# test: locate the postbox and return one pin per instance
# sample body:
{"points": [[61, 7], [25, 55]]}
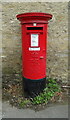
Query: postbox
{"points": [[34, 47]]}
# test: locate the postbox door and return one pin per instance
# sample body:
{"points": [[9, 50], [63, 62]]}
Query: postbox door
{"points": [[34, 53]]}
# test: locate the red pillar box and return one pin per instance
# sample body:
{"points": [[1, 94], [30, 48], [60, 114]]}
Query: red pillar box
{"points": [[34, 33]]}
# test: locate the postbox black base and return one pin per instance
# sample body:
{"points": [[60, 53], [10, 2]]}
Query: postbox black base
{"points": [[34, 87]]}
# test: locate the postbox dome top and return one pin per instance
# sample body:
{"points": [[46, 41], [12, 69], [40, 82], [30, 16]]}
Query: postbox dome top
{"points": [[34, 16]]}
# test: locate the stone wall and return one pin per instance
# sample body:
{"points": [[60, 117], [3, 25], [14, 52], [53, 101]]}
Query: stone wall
{"points": [[57, 54]]}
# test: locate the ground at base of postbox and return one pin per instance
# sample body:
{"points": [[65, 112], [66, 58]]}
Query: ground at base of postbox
{"points": [[13, 92]]}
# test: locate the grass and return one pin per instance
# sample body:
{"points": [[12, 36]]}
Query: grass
{"points": [[51, 89], [23, 103]]}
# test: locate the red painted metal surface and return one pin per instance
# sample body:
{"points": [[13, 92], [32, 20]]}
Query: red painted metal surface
{"points": [[34, 44]]}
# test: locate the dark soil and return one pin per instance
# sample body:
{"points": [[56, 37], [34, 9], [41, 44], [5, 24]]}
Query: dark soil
{"points": [[14, 93]]}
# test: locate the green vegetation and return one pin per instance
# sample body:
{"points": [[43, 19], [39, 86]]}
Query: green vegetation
{"points": [[51, 88], [24, 102]]}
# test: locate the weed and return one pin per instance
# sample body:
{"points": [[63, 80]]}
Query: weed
{"points": [[51, 88], [24, 102]]}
